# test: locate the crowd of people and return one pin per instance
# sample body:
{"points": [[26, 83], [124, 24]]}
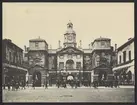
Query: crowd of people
{"points": [[15, 84]]}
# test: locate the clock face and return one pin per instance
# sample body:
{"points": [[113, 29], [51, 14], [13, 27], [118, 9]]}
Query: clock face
{"points": [[69, 37]]}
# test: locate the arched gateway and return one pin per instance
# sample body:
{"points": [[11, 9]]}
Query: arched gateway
{"points": [[37, 74], [70, 77], [37, 78], [70, 64]]}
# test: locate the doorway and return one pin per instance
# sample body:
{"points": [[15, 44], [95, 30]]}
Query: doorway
{"points": [[37, 78], [70, 64]]}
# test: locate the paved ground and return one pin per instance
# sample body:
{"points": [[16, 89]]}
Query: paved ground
{"points": [[122, 94]]}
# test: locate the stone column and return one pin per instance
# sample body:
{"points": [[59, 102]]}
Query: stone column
{"points": [[29, 79], [43, 79], [92, 76]]}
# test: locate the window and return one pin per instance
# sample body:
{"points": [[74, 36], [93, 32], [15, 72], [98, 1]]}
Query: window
{"points": [[25, 55], [78, 56], [61, 56], [102, 43], [97, 58], [69, 56], [78, 65], [97, 64], [36, 44], [10, 56], [61, 65], [124, 56], [129, 55], [119, 59]]}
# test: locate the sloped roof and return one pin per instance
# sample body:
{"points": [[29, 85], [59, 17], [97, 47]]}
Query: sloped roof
{"points": [[65, 49], [125, 44], [101, 38], [38, 40], [70, 31], [101, 66]]}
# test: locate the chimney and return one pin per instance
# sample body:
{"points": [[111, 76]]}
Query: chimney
{"points": [[25, 48], [89, 46], [80, 42], [9, 40], [111, 48], [115, 47], [59, 43], [50, 47], [129, 39]]}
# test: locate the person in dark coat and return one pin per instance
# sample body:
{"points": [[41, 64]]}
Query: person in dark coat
{"points": [[95, 84], [13, 84], [16, 85], [33, 84], [58, 83], [27, 83], [8, 85], [46, 84], [76, 84], [72, 83], [23, 84]]}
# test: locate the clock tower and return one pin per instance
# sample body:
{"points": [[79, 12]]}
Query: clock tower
{"points": [[70, 36]]}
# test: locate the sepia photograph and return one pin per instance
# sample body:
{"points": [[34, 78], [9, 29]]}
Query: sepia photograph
{"points": [[68, 52]]}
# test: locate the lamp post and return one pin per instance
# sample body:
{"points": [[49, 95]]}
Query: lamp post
{"points": [[47, 75], [79, 77], [4, 76]]}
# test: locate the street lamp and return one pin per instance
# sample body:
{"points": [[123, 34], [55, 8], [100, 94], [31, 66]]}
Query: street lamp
{"points": [[5, 74], [80, 75]]}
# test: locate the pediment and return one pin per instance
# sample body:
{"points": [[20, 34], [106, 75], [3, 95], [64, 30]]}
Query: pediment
{"points": [[70, 50], [103, 66]]}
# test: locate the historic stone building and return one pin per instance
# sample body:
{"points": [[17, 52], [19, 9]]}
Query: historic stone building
{"points": [[102, 59], [70, 61], [38, 60], [124, 70], [12, 62]]}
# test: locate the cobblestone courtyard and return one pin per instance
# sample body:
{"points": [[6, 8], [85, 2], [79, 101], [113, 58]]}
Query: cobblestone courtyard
{"points": [[84, 94]]}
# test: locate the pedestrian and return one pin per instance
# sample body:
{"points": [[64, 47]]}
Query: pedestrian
{"points": [[57, 83], [95, 84], [64, 84], [23, 84], [33, 84], [16, 85], [13, 84], [72, 83], [27, 83], [76, 83], [8, 86], [46, 84], [4, 85]]}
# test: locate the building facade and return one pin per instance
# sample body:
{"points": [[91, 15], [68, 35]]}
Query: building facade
{"points": [[102, 59], [70, 61], [124, 70], [12, 60], [38, 60]]}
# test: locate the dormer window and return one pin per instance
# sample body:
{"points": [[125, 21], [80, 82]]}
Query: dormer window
{"points": [[61, 56], [102, 43], [69, 56], [36, 44], [78, 56]]}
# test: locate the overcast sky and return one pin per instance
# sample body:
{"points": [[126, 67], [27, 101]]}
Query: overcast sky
{"points": [[25, 21]]}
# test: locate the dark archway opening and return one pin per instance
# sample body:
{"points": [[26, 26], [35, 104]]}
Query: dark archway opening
{"points": [[37, 78], [102, 77], [70, 64]]}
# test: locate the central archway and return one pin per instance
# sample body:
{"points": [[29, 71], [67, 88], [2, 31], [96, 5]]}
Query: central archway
{"points": [[70, 64], [70, 77], [37, 78]]}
